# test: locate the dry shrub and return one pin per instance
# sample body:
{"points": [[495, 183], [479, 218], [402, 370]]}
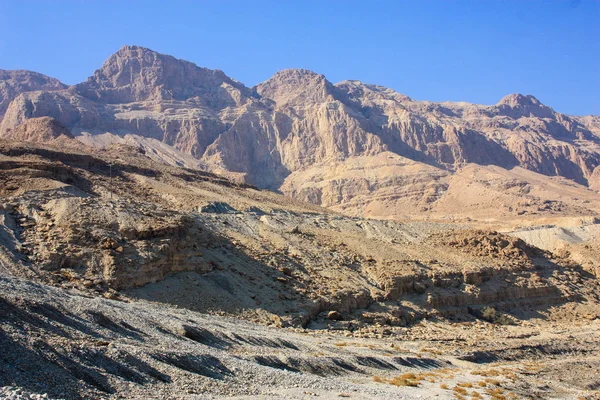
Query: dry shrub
{"points": [[407, 379], [496, 393], [460, 390], [399, 381]]}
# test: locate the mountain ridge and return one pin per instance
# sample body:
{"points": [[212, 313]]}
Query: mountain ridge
{"points": [[298, 121], [14, 82]]}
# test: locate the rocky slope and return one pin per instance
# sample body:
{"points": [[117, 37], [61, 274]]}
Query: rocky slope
{"points": [[117, 220], [117, 274], [41, 130], [311, 139], [85, 347]]}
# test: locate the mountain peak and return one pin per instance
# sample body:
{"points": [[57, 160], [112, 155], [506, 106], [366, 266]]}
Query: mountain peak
{"points": [[295, 87], [518, 99], [297, 72], [136, 73], [518, 105], [133, 47], [15, 82]]}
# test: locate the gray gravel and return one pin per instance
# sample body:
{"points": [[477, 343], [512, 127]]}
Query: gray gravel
{"points": [[70, 346]]}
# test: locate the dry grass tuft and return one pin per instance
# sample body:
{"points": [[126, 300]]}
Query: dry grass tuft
{"points": [[398, 381], [496, 393], [460, 390], [408, 379]]}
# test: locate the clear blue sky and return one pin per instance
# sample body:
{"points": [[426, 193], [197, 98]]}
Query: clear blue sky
{"points": [[476, 51]]}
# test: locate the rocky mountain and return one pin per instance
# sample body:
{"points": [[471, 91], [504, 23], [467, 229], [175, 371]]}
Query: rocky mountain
{"points": [[306, 137], [13, 83], [128, 269]]}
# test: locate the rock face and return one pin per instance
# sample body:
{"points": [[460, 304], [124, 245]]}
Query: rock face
{"points": [[13, 83], [311, 139]]}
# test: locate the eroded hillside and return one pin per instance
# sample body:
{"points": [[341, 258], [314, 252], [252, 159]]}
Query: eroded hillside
{"points": [[147, 261]]}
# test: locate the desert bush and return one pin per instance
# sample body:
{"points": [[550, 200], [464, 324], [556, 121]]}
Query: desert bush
{"points": [[460, 390], [490, 314]]}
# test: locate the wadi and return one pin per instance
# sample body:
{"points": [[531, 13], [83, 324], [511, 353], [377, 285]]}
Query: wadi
{"points": [[168, 232]]}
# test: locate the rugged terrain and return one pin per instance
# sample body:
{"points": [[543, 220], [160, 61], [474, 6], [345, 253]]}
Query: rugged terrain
{"points": [[126, 277], [422, 249], [362, 149]]}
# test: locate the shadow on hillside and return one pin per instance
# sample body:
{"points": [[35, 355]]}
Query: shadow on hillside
{"points": [[240, 282], [28, 365]]}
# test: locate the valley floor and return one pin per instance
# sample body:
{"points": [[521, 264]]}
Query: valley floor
{"points": [[68, 345]]}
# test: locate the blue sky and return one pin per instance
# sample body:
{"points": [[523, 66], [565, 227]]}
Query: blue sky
{"points": [[476, 51]]}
